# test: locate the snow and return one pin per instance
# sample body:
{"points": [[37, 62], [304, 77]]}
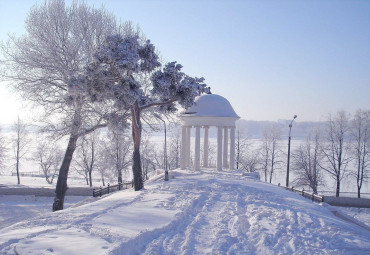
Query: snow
{"points": [[361, 214], [205, 212], [37, 182], [211, 105], [19, 208]]}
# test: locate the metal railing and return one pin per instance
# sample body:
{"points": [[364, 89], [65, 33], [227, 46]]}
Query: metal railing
{"points": [[314, 197], [344, 194], [111, 188], [27, 174]]}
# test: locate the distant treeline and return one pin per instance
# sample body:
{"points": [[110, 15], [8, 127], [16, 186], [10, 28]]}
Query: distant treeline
{"points": [[254, 128]]}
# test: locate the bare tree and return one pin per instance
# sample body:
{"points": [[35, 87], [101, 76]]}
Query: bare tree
{"points": [[306, 162], [275, 136], [270, 150], [117, 150], [148, 155], [174, 147], [85, 162], [2, 150], [265, 152], [21, 142], [212, 151], [247, 158], [43, 63], [251, 161], [48, 155], [103, 165], [242, 145], [360, 133], [336, 148]]}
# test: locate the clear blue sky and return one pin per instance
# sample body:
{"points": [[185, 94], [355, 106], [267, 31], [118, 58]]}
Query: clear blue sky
{"points": [[270, 59]]}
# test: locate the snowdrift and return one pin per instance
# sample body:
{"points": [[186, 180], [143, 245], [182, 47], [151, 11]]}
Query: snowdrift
{"points": [[204, 212]]}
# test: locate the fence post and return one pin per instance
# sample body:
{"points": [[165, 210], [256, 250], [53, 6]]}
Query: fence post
{"points": [[100, 190], [303, 192], [108, 187], [292, 189]]}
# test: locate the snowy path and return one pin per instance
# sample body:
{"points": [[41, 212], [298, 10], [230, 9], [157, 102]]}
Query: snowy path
{"points": [[195, 213]]}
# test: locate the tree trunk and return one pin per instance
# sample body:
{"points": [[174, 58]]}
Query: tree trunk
{"points": [[136, 168], [315, 184], [136, 135], [17, 159], [338, 188], [359, 192], [48, 180], [102, 179], [17, 167], [272, 164], [61, 187], [90, 178], [120, 176]]}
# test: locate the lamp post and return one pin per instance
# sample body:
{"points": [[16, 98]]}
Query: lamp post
{"points": [[287, 168], [165, 147]]}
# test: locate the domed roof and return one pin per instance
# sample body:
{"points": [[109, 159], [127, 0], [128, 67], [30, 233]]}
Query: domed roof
{"points": [[211, 105]]}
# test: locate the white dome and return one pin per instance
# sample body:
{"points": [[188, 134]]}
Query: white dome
{"points": [[211, 105]]}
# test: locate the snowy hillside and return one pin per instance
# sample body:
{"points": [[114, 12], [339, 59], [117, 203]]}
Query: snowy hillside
{"points": [[195, 213]]}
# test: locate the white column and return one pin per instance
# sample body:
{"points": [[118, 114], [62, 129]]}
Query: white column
{"points": [[219, 148], [232, 148], [183, 148], [205, 149], [188, 133], [197, 149], [226, 143]]}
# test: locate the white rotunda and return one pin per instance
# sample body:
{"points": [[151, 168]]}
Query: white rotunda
{"points": [[209, 110]]}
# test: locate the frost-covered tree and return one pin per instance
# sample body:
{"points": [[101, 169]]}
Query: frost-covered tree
{"points": [[270, 150], [336, 148], [115, 74], [251, 160], [48, 156], [360, 133], [306, 162], [242, 146], [174, 146], [147, 156], [85, 162], [20, 143], [116, 150], [212, 154], [2, 150], [41, 64]]}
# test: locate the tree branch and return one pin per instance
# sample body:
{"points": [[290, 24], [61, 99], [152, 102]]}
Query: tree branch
{"points": [[157, 104]]}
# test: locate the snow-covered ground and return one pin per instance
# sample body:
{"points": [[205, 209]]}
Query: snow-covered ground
{"points": [[203, 212], [361, 214], [39, 182], [14, 209]]}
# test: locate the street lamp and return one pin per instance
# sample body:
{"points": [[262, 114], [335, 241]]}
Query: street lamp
{"points": [[287, 168], [165, 146]]}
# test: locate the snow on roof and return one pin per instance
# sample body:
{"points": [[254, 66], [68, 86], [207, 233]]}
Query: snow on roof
{"points": [[211, 105]]}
